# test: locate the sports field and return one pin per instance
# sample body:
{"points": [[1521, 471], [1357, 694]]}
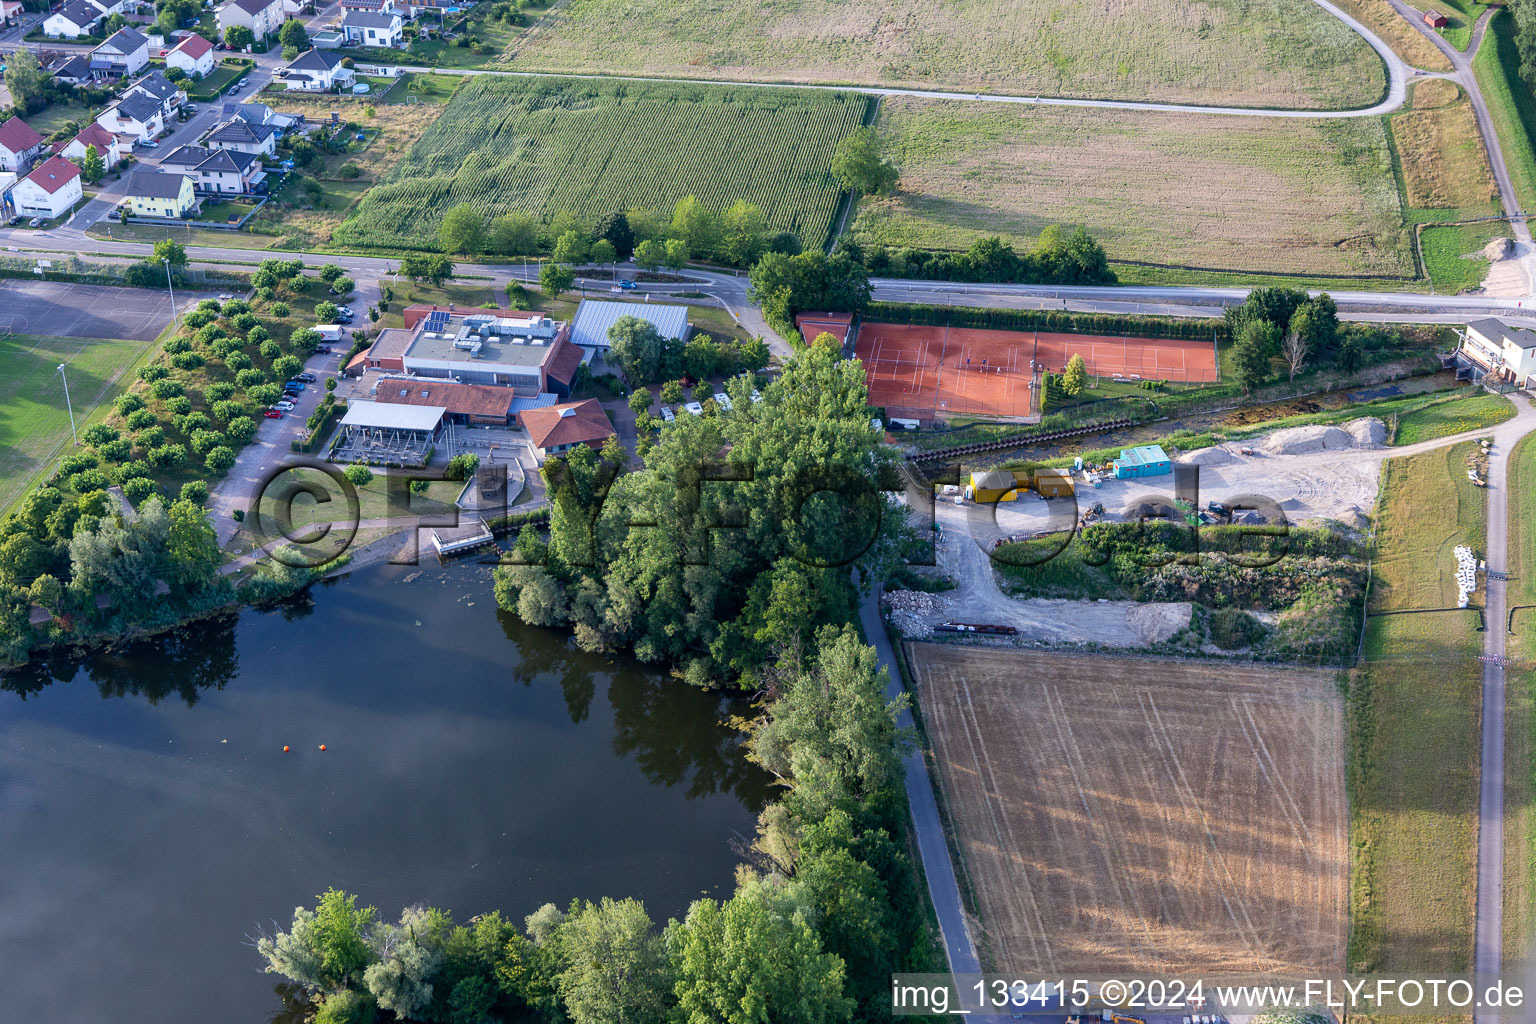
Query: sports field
{"points": [[1278, 53], [34, 422], [1170, 189], [1142, 815], [931, 372], [591, 147]]}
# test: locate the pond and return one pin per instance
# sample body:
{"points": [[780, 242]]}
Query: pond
{"points": [[150, 821]]}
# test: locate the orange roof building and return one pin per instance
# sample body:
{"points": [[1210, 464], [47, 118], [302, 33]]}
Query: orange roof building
{"points": [[557, 428]]}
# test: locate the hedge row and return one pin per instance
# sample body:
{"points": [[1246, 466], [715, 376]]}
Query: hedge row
{"points": [[1057, 320], [327, 414]]}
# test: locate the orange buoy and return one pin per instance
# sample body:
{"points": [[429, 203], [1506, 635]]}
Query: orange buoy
{"points": [[322, 746], [285, 748]]}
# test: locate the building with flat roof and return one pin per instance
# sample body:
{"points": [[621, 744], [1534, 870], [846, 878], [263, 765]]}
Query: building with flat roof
{"points": [[379, 432], [527, 352], [589, 329], [1144, 460]]}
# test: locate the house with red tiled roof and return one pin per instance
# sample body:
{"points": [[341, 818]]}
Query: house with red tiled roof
{"points": [[194, 55], [108, 146], [558, 428], [50, 190], [19, 145]]}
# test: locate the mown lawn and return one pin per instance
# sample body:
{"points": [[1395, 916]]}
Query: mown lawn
{"points": [[34, 421], [1520, 711], [1510, 104], [1451, 256], [1454, 417], [1413, 707], [377, 499]]}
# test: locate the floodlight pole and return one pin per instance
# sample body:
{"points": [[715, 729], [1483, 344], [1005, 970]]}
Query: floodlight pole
{"points": [[171, 288], [69, 406]]}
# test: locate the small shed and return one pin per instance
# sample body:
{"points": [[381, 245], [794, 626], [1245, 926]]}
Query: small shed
{"points": [[1434, 19], [993, 486], [1144, 460], [1054, 483]]}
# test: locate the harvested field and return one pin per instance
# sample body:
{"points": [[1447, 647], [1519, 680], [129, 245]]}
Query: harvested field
{"points": [[1140, 814], [1193, 190], [1442, 155], [932, 372], [1278, 53]]}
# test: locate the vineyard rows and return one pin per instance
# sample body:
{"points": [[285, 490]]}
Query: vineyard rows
{"points": [[545, 145]]}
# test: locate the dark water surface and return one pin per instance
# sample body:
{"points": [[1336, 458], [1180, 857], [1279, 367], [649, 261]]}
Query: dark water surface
{"points": [[150, 822]]}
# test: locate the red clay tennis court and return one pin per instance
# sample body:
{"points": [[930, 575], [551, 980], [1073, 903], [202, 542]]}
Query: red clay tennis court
{"points": [[929, 372]]}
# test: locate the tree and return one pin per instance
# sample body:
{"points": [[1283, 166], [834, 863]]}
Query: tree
{"points": [[1075, 379], [602, 251], [343, 286], [346, 1007], [650, 255], [219, 459], [616, 967], [784, 285], [615, 229], [358, 474], [433, 269], [329, 272], [743, 233], [238, 37], [462, 230], [92, 167], [1276, 304], [326, 312], [696, 225], [570, 247], [1317, 321], [26, 80], [672, 392], [637, 347], [640, 401], [614, 452], [168, 249], [1351, 354], [746, 961], [515, 234], [1251, 352], [555, 279], [326, 949], [1295, 348], [409, 955], [859, 165], [292, 34], [676, 254], [192, 544]]}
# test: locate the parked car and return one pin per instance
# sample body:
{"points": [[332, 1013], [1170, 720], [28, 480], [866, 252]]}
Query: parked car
{"points": [[305, 378], [147, 144], [242, 84], [190, 108], [285, 406], [627, 284], [273, 414], [344, 318], [14, 221], [221, 46], [294, 385], [347, 310], [35, 222], [326, 349]]}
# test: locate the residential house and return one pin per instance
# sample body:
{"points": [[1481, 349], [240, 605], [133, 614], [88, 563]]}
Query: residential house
{"points": [[263, 17], [137, 115], [243, 137], [1505, 352], [163, 91], [316, 71], [225, 171], [19, 145], [260, 113], [50, 190], [373, 28], [73, 20], [558, 428], [194, 55], [374, 6], [72, 70], [108, 146], [159, 194], [416, 8], [10, 10], [125, 52]]}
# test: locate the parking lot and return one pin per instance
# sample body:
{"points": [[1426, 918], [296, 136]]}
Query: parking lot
{"points": [[65, 310]]}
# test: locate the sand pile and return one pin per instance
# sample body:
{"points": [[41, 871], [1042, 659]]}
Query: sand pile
{"points": [[1367, 432], [1217, 455]]}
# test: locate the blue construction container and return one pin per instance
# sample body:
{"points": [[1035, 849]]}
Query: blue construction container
{"points": [[1146, 460]]}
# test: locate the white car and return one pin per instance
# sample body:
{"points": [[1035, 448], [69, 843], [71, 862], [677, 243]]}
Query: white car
{"points": [[284, 406]]}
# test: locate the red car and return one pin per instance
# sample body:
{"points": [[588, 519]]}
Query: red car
{"points": [[273, 414]]}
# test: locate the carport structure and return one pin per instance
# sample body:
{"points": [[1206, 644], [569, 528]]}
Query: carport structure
{"points": [[379, 432]]}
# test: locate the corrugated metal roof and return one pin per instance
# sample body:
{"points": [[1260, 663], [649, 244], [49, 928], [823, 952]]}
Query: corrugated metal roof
{"points": [[542, 400], [594, 317], [396, 417]]}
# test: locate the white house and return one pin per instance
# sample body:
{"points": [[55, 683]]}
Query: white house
{"points": [[125, 52], [19, 145], [74, 69], [194, 55], [73, 20], [137, 115], [225, 171], [1509, 353], [376, 6], [260, 113], [244, 137], [50, 190], [316, 71], [373, 28], [263, 17], [157, 87], [108, 146]]}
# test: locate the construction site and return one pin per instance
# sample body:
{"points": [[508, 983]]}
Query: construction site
{"points": [[1141, 815]]}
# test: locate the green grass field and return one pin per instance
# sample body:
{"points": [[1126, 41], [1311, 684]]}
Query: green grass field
{"points": [[1451, 253], [1413, 707], [1231, 194], [1520, 712], [1510, 104], [34, 422], [1279, 53], [1454, 417], [592, 147]]}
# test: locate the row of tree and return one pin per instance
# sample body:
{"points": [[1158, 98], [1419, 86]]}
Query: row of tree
{"points": [[1285, 325], [1059, 256], [646, 357]]}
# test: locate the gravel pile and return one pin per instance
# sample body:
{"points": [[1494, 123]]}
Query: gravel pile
{"points": [[1366, 432], [1216, 455], [910, 609]]}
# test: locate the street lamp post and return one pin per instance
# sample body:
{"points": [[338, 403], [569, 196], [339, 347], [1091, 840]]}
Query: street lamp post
{"points": [[69, 406], [171, 288]]}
